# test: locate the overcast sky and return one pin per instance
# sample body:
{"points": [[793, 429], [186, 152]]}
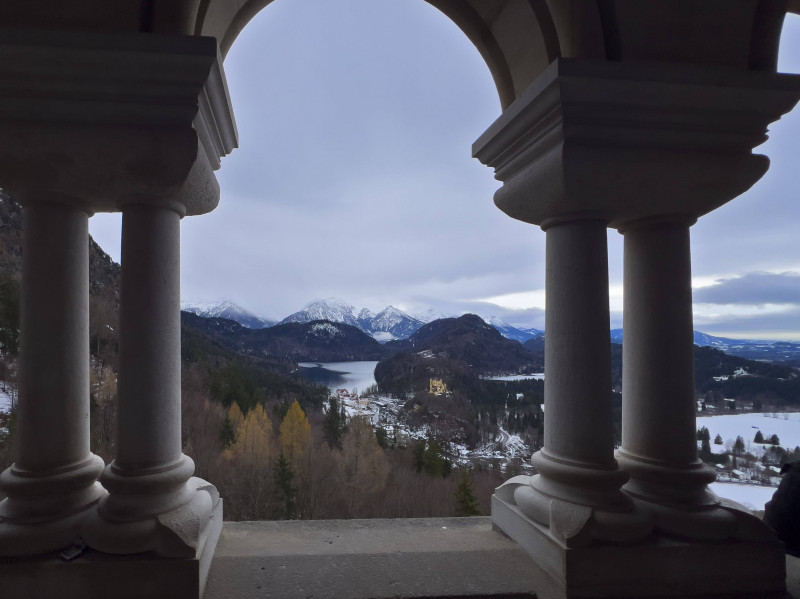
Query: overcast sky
{"points": [[353, 179]]}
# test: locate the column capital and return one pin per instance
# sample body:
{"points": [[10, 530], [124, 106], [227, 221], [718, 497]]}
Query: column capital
{"points": [[102, 120], [632, 141], [660, 221]]}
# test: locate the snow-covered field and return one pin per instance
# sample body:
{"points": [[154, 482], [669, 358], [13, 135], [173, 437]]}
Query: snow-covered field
{"points": [[786, 426], [753, 497]]}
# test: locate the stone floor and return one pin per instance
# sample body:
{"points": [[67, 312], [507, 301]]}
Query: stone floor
{"points": [[793, 576], [354, 559]]}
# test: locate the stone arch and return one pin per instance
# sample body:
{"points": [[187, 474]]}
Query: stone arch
{"points": [[517, 39], [786, 33]]}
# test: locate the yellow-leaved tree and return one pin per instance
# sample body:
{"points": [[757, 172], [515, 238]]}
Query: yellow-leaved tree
{"points": [[295, 437], [254, 437], [363, 464], [247, 467], [235, 416]]}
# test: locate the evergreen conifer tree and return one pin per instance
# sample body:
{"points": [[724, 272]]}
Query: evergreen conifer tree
{"points": [[333, 425], [285, 491], [705, 450], [466, 502], [227, 433]]}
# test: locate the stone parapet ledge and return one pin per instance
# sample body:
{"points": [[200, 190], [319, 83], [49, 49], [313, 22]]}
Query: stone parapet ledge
{"points": [[349, 559], [103, 120], [630, 141]]}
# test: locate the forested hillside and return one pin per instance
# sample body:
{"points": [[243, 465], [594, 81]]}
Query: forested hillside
{"points": [[471, 342], [319, 340]]}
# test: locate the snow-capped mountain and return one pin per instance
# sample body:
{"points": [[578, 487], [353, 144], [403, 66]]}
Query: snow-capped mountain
{"points": [[229, 310], [396, 323], [390, 323], [511, 332], [331, 309]]}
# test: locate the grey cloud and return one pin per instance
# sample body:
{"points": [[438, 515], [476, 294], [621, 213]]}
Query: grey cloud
{"points": [[525, 318], [785, 324], [754, 289]]}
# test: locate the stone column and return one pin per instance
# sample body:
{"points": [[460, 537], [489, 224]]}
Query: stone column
{"points": [[52, 482], [611, 139], [154, 503], [659, 446], [576, 492]]}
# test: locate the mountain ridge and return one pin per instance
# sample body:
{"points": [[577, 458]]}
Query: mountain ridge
{"points": [[392, 324], [315, 341]]}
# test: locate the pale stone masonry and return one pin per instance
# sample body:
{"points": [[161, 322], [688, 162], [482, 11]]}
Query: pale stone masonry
{"points": [[639, 115]]}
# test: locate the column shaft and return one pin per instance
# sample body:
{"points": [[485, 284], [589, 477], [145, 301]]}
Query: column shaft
{"points": [[54, 475], [578, 424], [658, 350], [154, 503], [149, 384], [659, 446]]}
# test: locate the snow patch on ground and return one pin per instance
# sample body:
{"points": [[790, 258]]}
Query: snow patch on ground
{"points": [[326, 329], [516, 446], [753, 497], [5, 400]]}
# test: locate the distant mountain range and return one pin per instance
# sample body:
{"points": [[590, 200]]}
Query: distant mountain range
{"points": [[752, 349], [387, 325], [392, 324]]}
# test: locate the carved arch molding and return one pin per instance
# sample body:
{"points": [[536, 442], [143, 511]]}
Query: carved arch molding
{"points": [[517, 38]]}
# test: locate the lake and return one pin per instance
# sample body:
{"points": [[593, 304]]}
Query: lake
{"points": [[340, 375]]}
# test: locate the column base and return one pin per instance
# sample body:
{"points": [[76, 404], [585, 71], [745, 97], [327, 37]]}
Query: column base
{"points": [[44, 512], [655, 567], [577, 516], [95, 575], [176, 532], [681, 503]]}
